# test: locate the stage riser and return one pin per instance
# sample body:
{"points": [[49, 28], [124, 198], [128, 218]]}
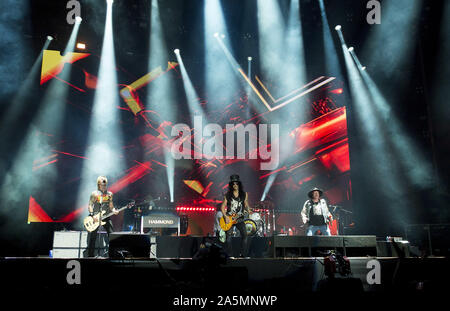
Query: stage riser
{"points": [[273, 247], [146, 246], [389, 249], [431, 239]]}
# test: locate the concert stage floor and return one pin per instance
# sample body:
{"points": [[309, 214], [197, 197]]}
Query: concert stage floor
{"points": [[289, 279]]}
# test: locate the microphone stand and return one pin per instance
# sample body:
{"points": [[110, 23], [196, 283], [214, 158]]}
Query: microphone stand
{"points": [[339, 209]]}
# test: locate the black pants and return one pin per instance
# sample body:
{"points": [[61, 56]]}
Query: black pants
{"points": [[244, 239], [92, 237]]}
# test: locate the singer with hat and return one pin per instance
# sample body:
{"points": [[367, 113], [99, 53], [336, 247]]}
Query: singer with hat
{"points": [[315, 213]]}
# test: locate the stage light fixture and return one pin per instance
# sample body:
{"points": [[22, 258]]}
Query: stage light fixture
{"points": [[81, 46], [109, 2], [338, 27], [250, 58], [176, 51], [78, 19], [363, 68], [50, 38], [350, 49]]}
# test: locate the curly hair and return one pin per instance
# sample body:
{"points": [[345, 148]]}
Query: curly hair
{"points": [[230, 190]]}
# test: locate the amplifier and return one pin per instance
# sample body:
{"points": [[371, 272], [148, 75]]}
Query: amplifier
{"points": [[129, 244], [73, 244], [306, 246]]}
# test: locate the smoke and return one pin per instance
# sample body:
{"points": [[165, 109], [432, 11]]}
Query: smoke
{"points": [[271, 43], [391, 43], [20, 182], [104, 149], [218, 72], [14, 59], [332, 65], [408, 155], [440, 109], [96, 11]]}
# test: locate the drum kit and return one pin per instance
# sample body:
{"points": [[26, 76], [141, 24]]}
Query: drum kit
{"points": [[260, 221]]}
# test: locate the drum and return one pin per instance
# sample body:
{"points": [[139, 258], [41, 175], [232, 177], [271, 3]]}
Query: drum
{"points": [[255, 217], [251, 227]]}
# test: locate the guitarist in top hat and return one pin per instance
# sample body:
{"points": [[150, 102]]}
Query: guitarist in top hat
{"points": [[100, 200], [233, 206]]}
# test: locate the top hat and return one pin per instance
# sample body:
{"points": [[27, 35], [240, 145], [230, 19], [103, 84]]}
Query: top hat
{"points": [[234, 178], [314, 189]]}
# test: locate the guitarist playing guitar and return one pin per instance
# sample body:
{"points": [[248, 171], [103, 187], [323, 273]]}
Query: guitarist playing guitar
{"points": [[233, 206], [100, 200]]}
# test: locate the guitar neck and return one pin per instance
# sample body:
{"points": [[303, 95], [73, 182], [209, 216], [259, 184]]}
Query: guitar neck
{"points": [[111, 213]]}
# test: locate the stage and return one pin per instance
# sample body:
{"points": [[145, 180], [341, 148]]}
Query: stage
{"points": [[167, 270], [162, 280], [275, 263]]}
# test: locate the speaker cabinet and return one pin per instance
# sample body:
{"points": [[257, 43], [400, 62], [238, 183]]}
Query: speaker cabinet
{"points": [[127, 244]]}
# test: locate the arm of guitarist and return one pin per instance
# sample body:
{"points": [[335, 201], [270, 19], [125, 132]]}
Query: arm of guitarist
{"points": [[246, 206], [223, 209], [111, 206], [91, 207]]}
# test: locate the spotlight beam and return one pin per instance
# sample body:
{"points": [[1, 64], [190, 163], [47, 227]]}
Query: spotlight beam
{"points": [[160, 94], [217, 71], [414, 164], [191, 94], [399, 20], [48, 119], [19, 102], [103, 151], [375, 144]]}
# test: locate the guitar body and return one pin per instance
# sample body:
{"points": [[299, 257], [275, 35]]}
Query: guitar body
{"points": [[227, 226], [89, 223]]}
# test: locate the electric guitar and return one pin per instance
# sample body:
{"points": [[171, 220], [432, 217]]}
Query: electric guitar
{"points": [[231, 221], [91, 225]]}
